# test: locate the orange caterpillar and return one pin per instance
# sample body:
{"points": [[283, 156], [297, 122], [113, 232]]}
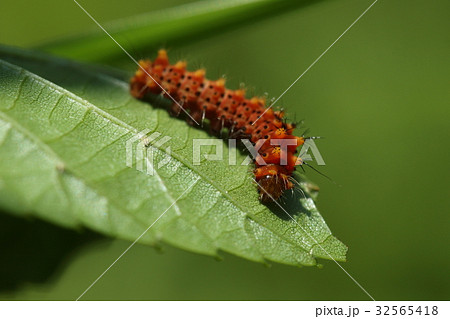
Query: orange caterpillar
{"points": [[224, 108]]}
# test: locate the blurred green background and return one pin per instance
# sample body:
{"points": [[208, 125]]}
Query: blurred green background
{"points": [[380, 96]]}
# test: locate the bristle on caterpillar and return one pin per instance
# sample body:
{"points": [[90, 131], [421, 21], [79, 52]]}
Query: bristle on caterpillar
{"points": [[244, 118]]}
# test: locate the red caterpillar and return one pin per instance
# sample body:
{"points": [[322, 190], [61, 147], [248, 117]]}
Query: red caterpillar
{"points": [[224, 108]]}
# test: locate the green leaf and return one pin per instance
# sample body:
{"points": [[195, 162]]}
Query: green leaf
{"points": [[63, 134], [154, 29]]}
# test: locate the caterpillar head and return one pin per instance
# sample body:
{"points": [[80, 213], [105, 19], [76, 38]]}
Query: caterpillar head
{"points": [[272, 182], [270, 188]]}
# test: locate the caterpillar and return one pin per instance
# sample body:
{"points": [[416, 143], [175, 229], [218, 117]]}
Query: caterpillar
{"points": [[268, 131]]}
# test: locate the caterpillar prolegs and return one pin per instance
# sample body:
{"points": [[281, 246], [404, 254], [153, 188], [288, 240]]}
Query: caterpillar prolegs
{"points": [[271, 135]]}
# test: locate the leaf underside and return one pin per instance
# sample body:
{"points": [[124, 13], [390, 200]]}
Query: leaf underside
{"points": [[63, 133]]}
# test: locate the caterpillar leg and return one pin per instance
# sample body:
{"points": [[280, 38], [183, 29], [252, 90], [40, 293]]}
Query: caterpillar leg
{"points": [[175, 109]]}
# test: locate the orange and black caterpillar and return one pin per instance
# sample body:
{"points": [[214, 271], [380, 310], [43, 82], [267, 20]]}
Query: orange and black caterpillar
{"points": [[224, 108]]}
